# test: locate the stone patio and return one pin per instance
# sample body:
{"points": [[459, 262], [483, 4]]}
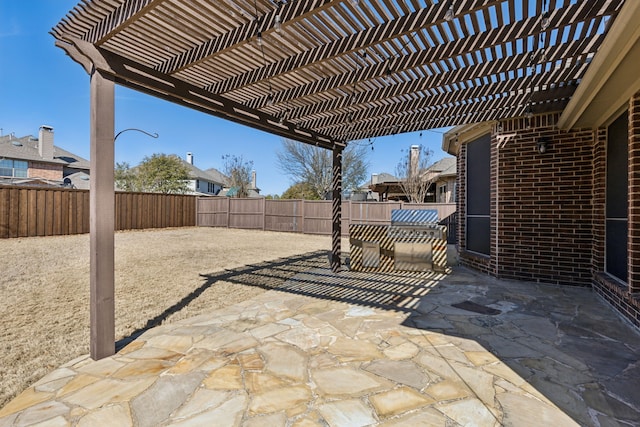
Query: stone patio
{"points": [[358, 349]]}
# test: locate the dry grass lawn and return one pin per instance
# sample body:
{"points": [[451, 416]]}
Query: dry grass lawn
{"points": [[161, 276]]}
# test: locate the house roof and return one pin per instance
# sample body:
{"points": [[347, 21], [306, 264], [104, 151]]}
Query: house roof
{"points": [[444, 167], [326, 72], [217, 176], [197, 173], [386, 177], [26, 148]]}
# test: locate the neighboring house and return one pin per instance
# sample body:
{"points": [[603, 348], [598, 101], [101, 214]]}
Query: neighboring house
{"points": [[253, 191], [205, 183], [37, 161], [441, 174], [554, 197]]}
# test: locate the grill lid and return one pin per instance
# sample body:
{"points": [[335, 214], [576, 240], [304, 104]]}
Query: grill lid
{"points": [[413, 217]]}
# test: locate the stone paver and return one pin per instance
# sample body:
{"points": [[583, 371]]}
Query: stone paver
{"points": [[302, 357]]}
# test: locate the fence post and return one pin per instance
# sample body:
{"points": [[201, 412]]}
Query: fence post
{"points": [[228, 211], [264, 213], [302, 214]]}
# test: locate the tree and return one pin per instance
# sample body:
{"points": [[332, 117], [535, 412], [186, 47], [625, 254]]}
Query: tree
{"points": [[301, 190], [160, 173], [411, 173], [313, 166], [125, 177], [239, 173]]}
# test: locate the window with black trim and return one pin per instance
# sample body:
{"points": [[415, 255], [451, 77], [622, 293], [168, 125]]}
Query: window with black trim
{"points": [[617, 198], [478, 176]]}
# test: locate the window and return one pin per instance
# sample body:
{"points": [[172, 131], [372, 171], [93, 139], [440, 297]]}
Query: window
{"points": [[13, 168], [442, 193], [617, 198], [479, 195]]}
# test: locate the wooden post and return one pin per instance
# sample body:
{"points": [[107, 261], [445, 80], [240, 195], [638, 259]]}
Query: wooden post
{"points": [[102, 218], [336, 217]]}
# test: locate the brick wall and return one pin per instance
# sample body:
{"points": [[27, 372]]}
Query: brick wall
{"points": [[543, 217], [45, 170], [634, 194], [599, 200], [545, 203]]}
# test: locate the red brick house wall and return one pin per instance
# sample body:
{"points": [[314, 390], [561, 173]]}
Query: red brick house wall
{"points": [[548, 210], [45, 170]]}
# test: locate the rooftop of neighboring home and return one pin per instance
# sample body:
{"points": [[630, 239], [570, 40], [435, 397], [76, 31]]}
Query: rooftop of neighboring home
{"points": [[39, 149], [211, 175]]}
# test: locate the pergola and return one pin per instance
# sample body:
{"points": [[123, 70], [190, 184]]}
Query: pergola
{"points": [[323, 72]]}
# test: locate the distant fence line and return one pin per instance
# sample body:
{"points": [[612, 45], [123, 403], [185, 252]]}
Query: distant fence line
{"points": [[37, 211], [300, 216]]}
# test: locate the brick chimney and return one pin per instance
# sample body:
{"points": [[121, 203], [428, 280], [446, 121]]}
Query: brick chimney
{"points": [[45, 142], [374, 178], [414, 159], [254, 182], [190, 158]]}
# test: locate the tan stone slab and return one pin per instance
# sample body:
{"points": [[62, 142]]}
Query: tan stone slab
{"points": [[27, 398], [520, 410], [469, 412], [58, 374], [503, 371], [227, 414], [226, 378], [142, 368], [284, 360], [345, 381], [132, 346], [107, 391], [251, 361], [426, 417], [348, 350], [227, 341], [202, 400], [403, 351], [78, 382], [302, 337], [257, 382], [101, 368], [448, 390], [272, 420], [278, 399], [41, 413], [176, 343], [53, 386], [192, 361], [58, 421], [322, 361], [108, 416], [268, 330], [398, 401], [436, 366], [480, 358], [309, 421], [155, 353], [347, 413], [481, 383]]}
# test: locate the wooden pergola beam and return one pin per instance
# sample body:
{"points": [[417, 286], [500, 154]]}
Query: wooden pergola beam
{"points": [[131, 74]]}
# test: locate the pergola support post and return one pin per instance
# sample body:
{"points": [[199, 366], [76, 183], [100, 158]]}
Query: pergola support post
{"points": [[102, 218], [336, 217]]}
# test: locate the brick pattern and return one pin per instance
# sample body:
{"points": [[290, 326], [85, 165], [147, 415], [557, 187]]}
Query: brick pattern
{"points": [[45, 170], [617, 294], [545, 203], [634, 194], [599, 200]]}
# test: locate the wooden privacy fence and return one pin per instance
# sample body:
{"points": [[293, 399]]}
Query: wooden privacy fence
{"points": [[36, 211], [300, 216]]}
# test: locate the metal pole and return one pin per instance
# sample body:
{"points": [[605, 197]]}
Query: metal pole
{"points": [[336, 217]]}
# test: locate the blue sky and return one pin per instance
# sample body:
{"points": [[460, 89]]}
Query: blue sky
{"points": [[40, 85]]}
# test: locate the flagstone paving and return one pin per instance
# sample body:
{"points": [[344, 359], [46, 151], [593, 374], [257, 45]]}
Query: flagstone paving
{"points": [[357, 349]]}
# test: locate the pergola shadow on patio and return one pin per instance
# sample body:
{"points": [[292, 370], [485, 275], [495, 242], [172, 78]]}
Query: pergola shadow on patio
{"points": [[362, 349]]}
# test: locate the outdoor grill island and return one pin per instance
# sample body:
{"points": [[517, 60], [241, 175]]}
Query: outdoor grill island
{"points": [[414, 241]]}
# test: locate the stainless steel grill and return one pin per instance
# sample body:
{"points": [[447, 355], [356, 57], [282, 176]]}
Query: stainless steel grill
{"points": [[413, 231]]}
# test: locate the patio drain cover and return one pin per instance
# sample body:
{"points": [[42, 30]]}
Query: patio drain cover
{"points": [[475, 307]]}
